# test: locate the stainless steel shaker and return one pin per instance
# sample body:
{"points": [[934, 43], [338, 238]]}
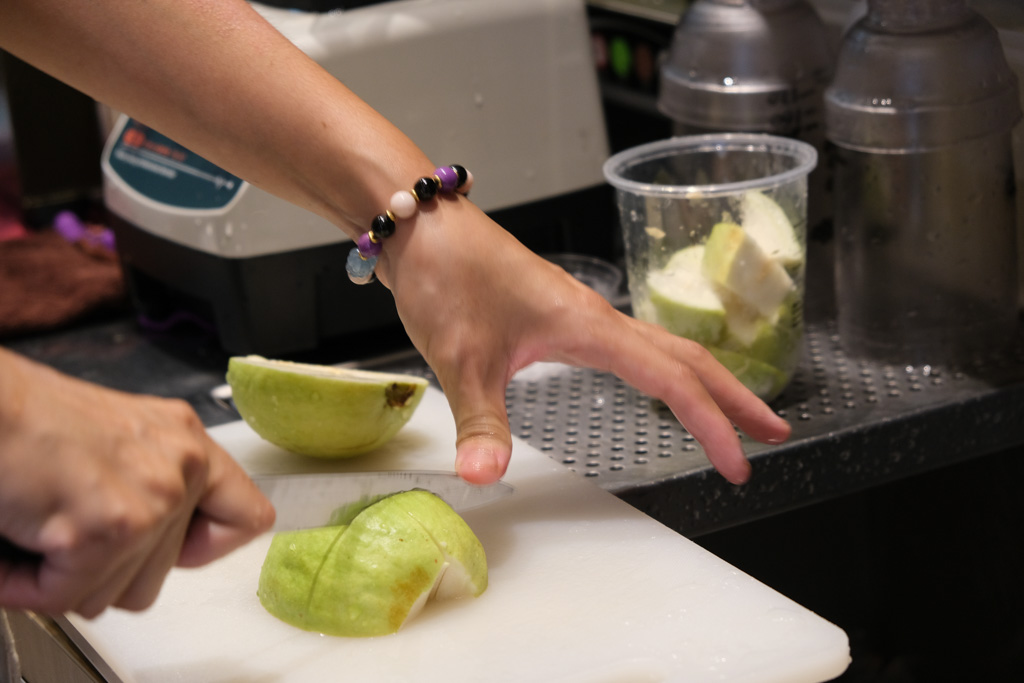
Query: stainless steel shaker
{"points": [[757, 66], [921, 110]]}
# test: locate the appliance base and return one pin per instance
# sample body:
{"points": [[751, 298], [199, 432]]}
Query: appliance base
{"points": [[294, 301]]}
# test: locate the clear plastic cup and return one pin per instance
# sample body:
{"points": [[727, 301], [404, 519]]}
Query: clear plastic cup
{"points": [[715, 232]]}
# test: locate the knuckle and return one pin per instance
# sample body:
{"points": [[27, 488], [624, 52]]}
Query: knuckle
{"points": [[124, 525], [449, 355], [126, 520], [480, 425], [168, 494], [183, 413], [185, 447]]}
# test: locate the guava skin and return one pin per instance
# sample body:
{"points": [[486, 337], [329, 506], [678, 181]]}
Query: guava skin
{"points": [[322, 411], [369, 578], [293, 562]]}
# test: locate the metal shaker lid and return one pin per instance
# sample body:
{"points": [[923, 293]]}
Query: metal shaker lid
{"points": [[916, 75], [741, 64]]}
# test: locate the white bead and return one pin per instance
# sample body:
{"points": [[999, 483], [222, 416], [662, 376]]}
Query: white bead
{"points": [[403, 204]]}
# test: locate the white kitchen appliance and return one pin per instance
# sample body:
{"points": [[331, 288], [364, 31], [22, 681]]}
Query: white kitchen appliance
{"points": [[508, 89]]}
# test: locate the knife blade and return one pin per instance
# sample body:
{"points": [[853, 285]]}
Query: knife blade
{"points": [[305, 501]]}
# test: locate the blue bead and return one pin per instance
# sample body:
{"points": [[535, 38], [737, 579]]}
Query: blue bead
{"points": [[359, 269]]}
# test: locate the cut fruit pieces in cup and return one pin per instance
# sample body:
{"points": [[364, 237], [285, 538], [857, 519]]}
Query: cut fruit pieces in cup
{"points": [[714, 228]]}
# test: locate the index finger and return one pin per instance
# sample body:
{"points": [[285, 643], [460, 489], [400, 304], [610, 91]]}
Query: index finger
{"points": [[677, 383], [699, 391], [230, 513]]}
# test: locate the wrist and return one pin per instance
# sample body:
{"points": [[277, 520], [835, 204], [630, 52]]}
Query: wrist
{"points": [[403, 208]]}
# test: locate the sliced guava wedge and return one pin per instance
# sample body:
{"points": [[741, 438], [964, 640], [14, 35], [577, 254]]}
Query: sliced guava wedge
{"points": [[371, 577], [766, 221], [688, 258], [319, 410], [773, 339], [685, 303], [733, 260]]}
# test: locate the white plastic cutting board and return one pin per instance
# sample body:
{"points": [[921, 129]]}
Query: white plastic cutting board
{"points": [[583, 589]]}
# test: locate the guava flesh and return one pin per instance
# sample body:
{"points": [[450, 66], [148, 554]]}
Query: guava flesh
{"points": [[767, 223], [734, 261], [687, 305]]}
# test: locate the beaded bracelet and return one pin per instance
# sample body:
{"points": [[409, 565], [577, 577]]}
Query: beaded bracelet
{"points": [[363, 257]]}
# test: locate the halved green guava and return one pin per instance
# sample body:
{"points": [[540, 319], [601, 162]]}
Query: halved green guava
{"points": [[372, 576], [319, 410]]}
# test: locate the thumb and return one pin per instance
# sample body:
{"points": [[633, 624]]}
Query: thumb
{"points": [[483, 439]]}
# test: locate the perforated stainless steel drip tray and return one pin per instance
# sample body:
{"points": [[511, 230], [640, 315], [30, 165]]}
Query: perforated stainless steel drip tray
{"points": [[603, 429]]}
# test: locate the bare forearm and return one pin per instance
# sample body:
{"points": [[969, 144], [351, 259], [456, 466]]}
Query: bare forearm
{"points": [[213, 75], [10, 396]]}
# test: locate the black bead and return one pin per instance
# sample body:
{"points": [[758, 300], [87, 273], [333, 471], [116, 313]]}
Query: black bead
{"points": [[462, 174], [425, 189], [383, 226]]}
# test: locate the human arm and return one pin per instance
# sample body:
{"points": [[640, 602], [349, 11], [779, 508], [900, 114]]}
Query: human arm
{"points": [[477, 304], [107, 491], [218, 79]]}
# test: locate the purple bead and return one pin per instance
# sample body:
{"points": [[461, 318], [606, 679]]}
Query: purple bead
{"points": [[367, 247], [449, 178]]}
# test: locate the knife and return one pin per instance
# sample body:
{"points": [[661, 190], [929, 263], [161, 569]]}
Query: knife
{"points": [[305, 501]]}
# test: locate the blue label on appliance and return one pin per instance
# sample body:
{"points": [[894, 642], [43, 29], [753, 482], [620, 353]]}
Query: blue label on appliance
{"points": [[161, 169]]}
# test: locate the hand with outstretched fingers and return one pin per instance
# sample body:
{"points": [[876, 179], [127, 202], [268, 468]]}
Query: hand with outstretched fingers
{"points": [[480, 306]]}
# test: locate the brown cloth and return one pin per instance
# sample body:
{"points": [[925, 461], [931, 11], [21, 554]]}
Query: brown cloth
{"points": [[47, 282]]}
